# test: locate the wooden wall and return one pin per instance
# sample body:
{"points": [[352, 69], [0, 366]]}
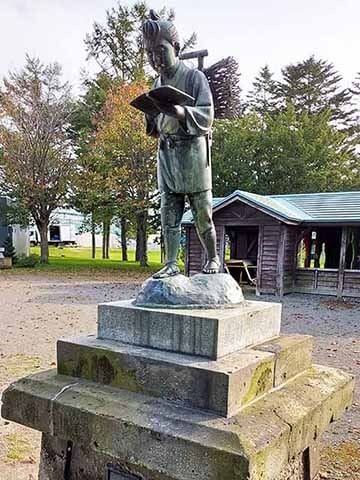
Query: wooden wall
{"points": [[290, 248], [240, 214], [277, 272], [267, 271], [351, 285], [195, 255], [316, 280]]}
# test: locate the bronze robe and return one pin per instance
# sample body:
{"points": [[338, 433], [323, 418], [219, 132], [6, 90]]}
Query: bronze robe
{"points": [[184, 148]]}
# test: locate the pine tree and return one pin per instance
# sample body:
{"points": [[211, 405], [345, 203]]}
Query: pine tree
{"points": [[355, 89], [314, 86], [262, 98]]}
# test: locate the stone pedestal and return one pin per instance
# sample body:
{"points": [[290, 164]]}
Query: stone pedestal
{"points": [[163, 394]]}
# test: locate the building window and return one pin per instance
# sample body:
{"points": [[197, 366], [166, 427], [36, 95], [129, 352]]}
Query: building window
{"points": [[319, 248], [352, 258]]}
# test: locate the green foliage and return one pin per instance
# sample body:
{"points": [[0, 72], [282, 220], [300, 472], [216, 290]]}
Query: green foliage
{"points": [[118, 46], [282, 153], [262, 99], [314, 86], [37, 161], [15, 213], [30, 261]]}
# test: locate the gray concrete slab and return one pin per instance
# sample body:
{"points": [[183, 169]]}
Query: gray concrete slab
{"points": [[211, 333], [222, 386], [182, 443], [293, 355]]}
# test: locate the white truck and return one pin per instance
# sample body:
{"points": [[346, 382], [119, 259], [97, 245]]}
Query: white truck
{"points": [[63, 229]]}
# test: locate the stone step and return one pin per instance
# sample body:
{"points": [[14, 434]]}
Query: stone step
{"points": [[293, 355], [223, 386], [168, 441], [211, 333]]}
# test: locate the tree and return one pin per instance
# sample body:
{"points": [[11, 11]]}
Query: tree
{"points": [[355, 89], [262, 99], [121, 138], [282, 153], [314, 86], [37, 162], [89, 183], [117, 46]]}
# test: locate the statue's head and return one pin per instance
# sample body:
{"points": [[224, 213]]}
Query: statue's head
{"points": [[162, 43]]}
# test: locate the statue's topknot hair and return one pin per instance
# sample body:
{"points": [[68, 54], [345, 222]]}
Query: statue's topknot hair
{"points": [[155, 28]]}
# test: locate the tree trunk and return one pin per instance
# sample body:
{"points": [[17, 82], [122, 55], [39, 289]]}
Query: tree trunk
{"points": [[141, 243], [104, 231], [107, 244], [124, 252], [44, 244], [93, 238], [106, 238], [137, 248]]}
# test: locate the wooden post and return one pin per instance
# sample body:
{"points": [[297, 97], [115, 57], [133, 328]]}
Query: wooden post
{"points": [[280, 264], [187, 251], [259, 259], [220, 240], [199, 54], [344, 239]]}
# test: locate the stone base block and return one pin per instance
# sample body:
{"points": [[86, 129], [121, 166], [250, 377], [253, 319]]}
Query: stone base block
{"points": [[293, 355], [223, 386], [86, 464], [163, 441], [211, 333]]}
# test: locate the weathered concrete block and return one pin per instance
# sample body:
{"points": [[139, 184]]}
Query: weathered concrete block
{"points": [[223, 386], [176, 443], [292, 355], [210, 333], [87, 464]]}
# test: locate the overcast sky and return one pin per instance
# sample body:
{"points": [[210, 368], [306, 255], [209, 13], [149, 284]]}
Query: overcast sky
{"points": [[255, 32]]}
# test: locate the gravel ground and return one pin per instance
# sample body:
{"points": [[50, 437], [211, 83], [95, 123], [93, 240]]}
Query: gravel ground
{"points": [[37, 309]]}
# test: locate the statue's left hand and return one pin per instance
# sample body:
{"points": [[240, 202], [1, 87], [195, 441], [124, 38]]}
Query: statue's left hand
{"points": [[176, 111]]}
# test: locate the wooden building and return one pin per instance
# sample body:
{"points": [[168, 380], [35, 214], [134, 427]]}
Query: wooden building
{"points": [[304, 243]]}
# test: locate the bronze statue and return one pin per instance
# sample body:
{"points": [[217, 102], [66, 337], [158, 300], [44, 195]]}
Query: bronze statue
{"points": [[184, 167]]}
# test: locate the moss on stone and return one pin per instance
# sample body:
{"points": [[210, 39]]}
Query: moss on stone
{"points": [[261, 381], [102, 368]]}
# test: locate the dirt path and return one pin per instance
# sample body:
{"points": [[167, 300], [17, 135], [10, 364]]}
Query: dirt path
{"points": [[37, 309]]}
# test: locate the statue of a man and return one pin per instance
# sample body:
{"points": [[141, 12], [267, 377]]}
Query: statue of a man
{"points": [[184, 168]]}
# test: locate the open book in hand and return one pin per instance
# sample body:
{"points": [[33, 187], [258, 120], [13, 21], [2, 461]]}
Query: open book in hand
{"points": [[165, 95]]}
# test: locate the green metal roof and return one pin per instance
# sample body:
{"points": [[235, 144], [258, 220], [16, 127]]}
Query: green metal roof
{"points": [[332, 207]]}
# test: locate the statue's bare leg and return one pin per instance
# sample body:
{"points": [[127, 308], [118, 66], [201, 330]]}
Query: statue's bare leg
{"points": [[201, 205], [172, 210], [212, 264]]}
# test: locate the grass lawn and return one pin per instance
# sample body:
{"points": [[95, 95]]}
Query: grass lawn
{"points": [[78, 259]]}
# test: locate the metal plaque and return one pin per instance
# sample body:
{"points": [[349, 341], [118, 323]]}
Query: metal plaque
{"points": [[117, 475]]}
